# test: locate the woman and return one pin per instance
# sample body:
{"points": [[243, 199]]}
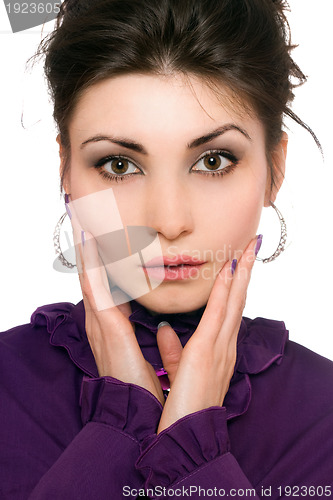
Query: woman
{"points": [[171, 143]]}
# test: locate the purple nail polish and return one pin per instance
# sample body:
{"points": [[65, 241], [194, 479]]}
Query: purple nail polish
{"points": [[258, 244], [233, 266], [67, 206], [83, 239]]}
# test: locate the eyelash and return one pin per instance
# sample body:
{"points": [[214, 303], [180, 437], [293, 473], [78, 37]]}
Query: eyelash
{"points": [[228, 169]]}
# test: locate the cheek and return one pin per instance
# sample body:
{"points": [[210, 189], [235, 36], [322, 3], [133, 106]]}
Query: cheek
{"points": [[83, 180], [246, 221], [235, 217], [78, 182]]}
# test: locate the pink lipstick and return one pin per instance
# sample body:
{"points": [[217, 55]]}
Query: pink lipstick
{"points": [[178, 267]]}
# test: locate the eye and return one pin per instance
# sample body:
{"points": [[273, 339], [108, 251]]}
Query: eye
{"points": [[116, 167], [215, 161]]}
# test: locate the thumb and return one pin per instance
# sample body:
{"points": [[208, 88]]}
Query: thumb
{"points": [[170, 349]]}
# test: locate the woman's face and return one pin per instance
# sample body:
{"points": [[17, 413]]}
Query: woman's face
{"points": [[185, 165]]}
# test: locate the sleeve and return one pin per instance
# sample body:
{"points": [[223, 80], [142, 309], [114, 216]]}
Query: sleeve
{"points": [[100, 461], [192, 458], [117, 454]]}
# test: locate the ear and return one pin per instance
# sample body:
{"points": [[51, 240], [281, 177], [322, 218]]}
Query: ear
{"points": [[62, 155], [279, 156]]}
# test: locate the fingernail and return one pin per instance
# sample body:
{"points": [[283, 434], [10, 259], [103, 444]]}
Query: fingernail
{"points": [[233, 266], [162, 323], [67, 206], [258, 244], [83, 239]]}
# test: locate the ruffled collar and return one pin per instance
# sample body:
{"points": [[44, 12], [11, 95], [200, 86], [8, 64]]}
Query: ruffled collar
{"points": [[260, 344], [182, 321], [184, 325]]}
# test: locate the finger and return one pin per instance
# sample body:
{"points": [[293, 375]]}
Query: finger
{"points": [[156, 382], [170, 349], [96, 294], [238, 291], [215, 311], [92, 274], [121, 299], [77, 235], [95, 283]]}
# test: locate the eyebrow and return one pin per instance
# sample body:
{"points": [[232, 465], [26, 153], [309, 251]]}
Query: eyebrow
{"points": [[216, 133], [134, 146]]}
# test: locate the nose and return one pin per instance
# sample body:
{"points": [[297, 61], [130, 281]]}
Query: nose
{"points": [[169, 209]]}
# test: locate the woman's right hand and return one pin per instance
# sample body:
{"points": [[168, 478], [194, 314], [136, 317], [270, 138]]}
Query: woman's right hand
{"points": [[110, 333]]}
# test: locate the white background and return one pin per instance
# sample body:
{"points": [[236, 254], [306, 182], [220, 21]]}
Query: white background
{"points": [[296, 288]]}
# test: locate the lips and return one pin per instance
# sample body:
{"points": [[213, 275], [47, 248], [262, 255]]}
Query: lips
{"points": [[176, 268], [176, 260]]}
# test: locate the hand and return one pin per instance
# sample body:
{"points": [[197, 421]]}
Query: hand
{"points": [[110, 333], [200, 373]]}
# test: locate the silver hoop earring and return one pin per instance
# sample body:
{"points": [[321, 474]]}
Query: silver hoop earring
{"points": [[283, 238], [56, 242]]}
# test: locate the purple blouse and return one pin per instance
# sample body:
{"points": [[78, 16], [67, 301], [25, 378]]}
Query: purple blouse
{"points": [[66, 433]]}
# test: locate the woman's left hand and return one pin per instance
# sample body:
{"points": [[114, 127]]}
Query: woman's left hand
{"points": [[200, 373]]}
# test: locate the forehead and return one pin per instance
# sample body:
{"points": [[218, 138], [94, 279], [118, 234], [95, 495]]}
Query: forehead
{"points": [[146, 106]]}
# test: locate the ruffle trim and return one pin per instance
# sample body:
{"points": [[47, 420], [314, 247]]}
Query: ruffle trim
{"points": [[65, 324], [184, 321], [120, 405], [261, 344], [185, 446]]}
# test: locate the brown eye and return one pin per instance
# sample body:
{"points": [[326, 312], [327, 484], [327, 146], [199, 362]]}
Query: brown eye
{"points": [[119, 165], [212, 161], [215, 162], [116, 168]]}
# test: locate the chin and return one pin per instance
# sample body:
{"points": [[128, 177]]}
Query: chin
{"points": [[164, 300]]}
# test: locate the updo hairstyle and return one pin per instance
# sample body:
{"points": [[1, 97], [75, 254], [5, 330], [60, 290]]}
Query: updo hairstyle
{"points": [[242, 44]]}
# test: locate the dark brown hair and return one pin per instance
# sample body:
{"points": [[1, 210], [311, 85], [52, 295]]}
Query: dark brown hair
{"points": [[243, 44]]}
